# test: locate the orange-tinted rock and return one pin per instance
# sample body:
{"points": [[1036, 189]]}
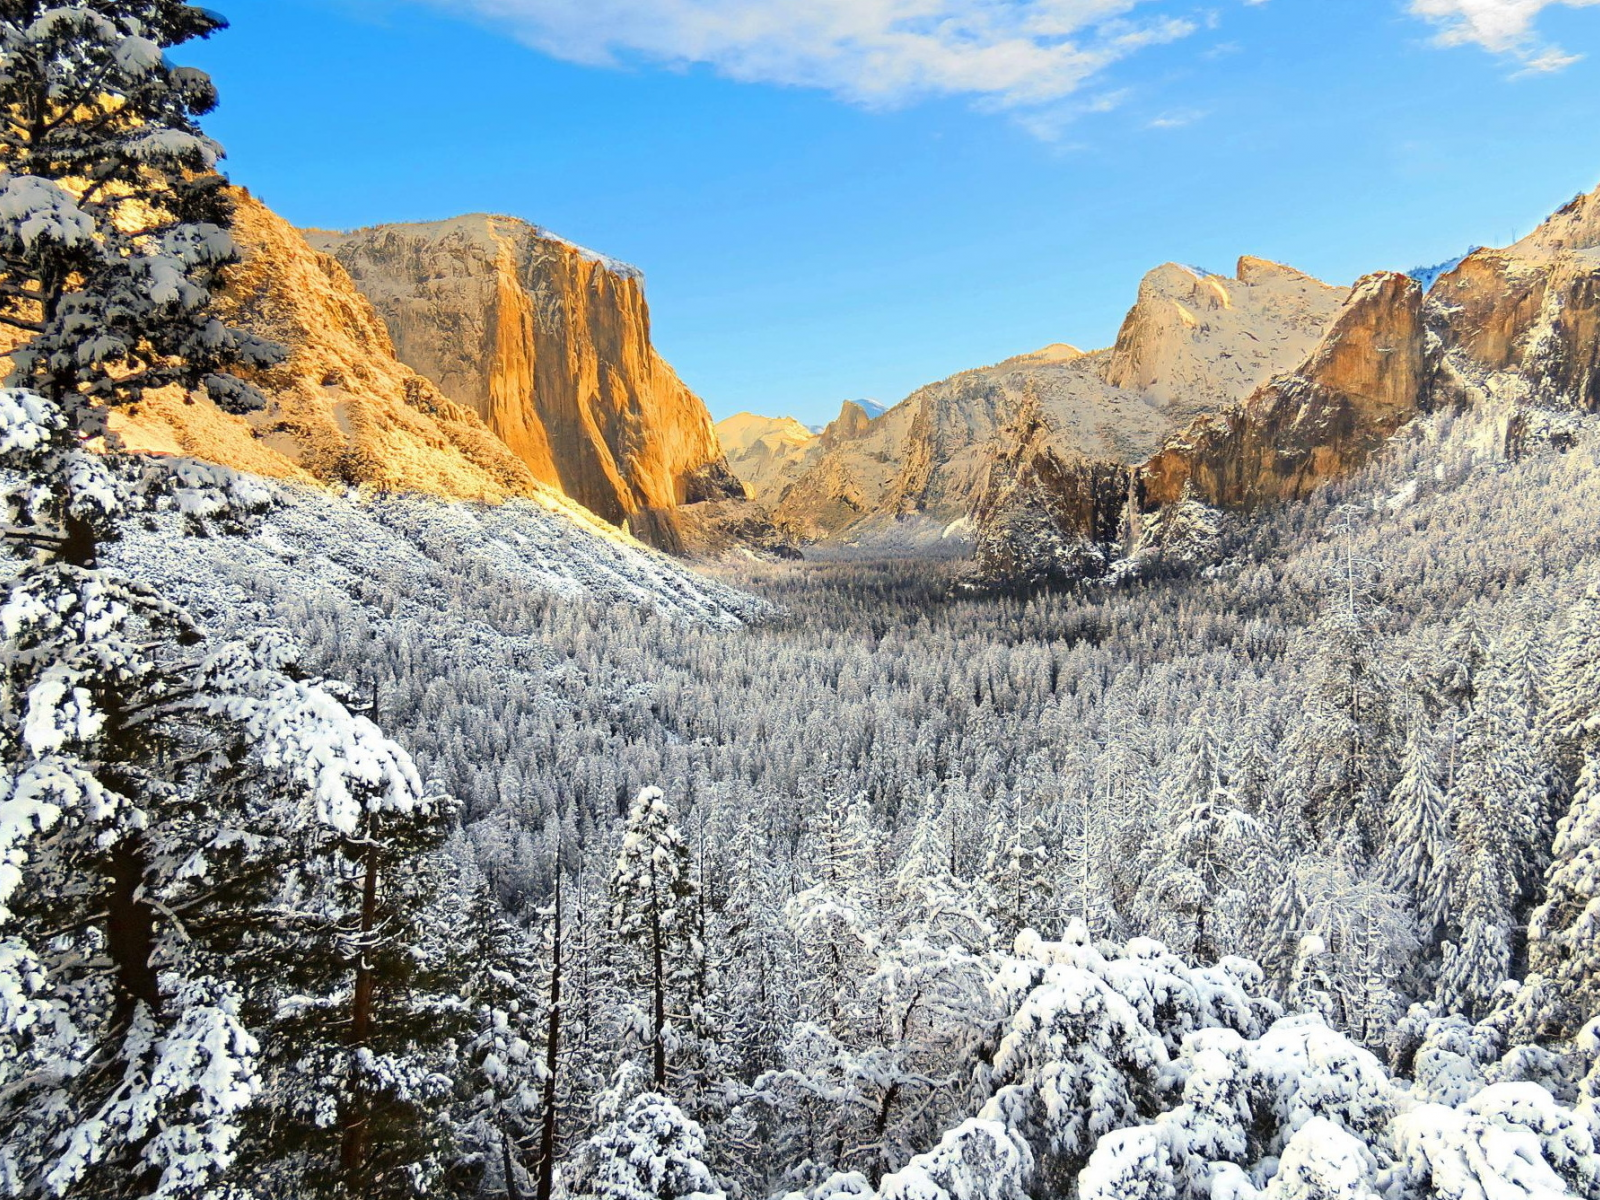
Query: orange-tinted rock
{"points": [[550, 345], [342, 408], [1523, 323], [1191, 344], [1365, 379], [766, 453]]}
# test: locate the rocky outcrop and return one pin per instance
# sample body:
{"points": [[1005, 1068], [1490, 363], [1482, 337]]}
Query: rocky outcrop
{"points": [[1196, 342], [550, 345], [852, 422], [1523, 323], [342, 408], [1192, 343], [1365, 379], [1048, 514]]}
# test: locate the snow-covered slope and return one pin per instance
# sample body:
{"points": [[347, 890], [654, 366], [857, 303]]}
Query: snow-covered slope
{"points": [[426, 552]]}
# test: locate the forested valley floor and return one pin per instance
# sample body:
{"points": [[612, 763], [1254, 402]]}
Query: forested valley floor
{"points": [[1345, 754]]}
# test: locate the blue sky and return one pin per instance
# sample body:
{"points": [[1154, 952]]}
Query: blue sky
{"points": [[840, 198]]}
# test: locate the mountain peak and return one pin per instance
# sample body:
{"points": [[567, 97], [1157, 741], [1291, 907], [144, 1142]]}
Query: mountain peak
{"points": [[1574, 227], [1199, 340]]}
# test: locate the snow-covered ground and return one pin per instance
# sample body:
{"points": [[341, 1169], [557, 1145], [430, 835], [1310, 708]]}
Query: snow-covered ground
{"points": [[422, 549]]}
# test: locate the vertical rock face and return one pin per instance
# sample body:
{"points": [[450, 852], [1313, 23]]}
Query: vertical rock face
{"points": [[342, 408], [550, 345], [1045, 512], [1523, 323], [1049, 513]]}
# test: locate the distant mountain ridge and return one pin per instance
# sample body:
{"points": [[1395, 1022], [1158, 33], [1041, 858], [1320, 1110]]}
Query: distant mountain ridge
{"points": [[1231, 392], [1191, 343], [1515, 328]]}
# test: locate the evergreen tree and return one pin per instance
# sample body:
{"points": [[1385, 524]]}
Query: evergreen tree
{"points": [[651, 910], [1421, 851], [1341, 752], [181, 822], [832, 919], [653, 1152], [1563, 942], [1497, 808], [1570, 725], [1017, 871]]}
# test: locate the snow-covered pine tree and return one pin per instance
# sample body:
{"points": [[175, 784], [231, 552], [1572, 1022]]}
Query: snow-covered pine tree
{"points": [[1420, 855], [1340, 754], [929, 901], [162, 804], [652, 1152], [1195, 895], [651, 892], [502, 1073], [1020, 891], [832, 920], [1461, 661], [1563, 938], [1497, 808], [1570, 726]]}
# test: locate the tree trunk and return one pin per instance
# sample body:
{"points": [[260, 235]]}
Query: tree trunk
{"points": [[879, 1126], [131, 932], [552, 1047], [357, 1119], [660, 987], [512, 1191]]}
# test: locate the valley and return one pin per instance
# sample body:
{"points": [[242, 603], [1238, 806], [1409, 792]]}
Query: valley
{"points": [[438, 760]]}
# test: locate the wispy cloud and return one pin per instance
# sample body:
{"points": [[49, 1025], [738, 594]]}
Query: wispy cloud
{"points": [[1507, 27], [1176, 120], [1011, 55]]}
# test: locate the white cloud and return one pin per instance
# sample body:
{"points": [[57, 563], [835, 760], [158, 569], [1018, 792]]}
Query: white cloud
{"points": [[1502, 26], [1180, 119], [1005, 54]]}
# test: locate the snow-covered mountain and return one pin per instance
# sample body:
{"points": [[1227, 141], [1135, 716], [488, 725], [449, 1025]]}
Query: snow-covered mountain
{"points": [[1516, 326], [1192, 343]]}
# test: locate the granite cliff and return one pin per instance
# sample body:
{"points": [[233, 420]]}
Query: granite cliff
{"points": [[502, 362], [766, 453], [341, 408], [549, 345], [1517, 327], [1523, 323]]}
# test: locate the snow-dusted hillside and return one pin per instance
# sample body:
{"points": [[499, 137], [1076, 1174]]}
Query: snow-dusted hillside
{"points": [[424, 552]]}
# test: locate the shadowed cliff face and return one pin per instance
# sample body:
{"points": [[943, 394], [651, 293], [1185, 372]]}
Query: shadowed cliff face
{"points": [[1045, 513], [550, 345]]}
